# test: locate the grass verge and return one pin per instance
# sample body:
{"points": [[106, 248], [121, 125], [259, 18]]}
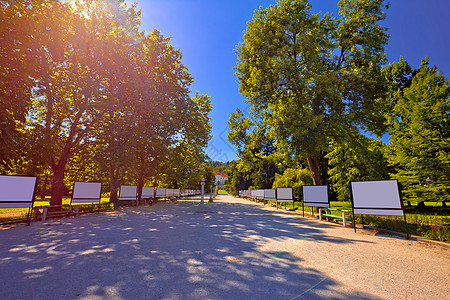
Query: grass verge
{"points": [[15, 214], [434, 224]]}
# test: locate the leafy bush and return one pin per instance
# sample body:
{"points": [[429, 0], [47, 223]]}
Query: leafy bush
{"points": [[294, 178]]}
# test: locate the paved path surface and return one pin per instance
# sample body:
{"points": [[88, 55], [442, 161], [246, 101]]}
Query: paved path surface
{"points": [[231, 249]]}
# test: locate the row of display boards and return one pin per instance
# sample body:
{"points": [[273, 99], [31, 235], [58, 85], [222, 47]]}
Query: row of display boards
{"points": [[19, 192], [367, 197], [381, 197], [129, 192]]}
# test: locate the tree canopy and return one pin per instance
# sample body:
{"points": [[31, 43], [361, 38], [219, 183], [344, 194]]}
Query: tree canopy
{"points": [[419, 129], [81, 80], [310, 77]]}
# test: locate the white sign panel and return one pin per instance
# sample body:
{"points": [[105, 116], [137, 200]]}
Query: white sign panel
{"points": [[260, 194], [84, 192], [315, 195], [148, 192], [270, 194], [284, 195], [16, 191], [160, 192], [376, 198], [128, 192]]}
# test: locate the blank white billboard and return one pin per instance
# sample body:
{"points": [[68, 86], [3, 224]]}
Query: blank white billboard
{"points": [[376, 198], [315, 195], [260, 194], [148, 192], [84, 192], [284, 195], [270, 194], [128, 192], [160, 192], [16, 191]]}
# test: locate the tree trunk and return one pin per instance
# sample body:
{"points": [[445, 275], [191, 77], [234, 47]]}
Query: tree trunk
{"points": [[44, 187], [313, 163], [114, 185], [140, 184], [58, 183]]}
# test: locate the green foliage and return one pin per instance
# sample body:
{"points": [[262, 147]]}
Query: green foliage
{"points": [[420, 135], [308, 76], [258, 163], [294, 178], [355, 159], [192, 137], [238, 179], [18, 34], [92, 92]]}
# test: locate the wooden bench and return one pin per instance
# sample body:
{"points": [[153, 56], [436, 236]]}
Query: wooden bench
{"points": [[46, 213], [346, 214]]}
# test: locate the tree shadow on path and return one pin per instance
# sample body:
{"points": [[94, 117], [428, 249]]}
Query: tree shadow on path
{"points": [[169, 251]]}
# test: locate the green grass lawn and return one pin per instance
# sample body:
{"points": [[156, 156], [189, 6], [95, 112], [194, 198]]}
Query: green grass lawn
{"points": [[433, 225], [104, 202]]}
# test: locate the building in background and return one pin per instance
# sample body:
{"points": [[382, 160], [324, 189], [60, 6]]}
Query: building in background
{"points": [[221, 178]]}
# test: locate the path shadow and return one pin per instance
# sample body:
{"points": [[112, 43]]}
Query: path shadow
{"points": [[170, 251]]}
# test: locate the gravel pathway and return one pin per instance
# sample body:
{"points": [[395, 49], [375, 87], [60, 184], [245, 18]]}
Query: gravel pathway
{"points": [[230, 249]]}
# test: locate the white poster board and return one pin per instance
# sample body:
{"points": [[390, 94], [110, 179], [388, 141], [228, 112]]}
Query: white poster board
{"points": [[260, 194], [128, 192], [86, 192], [315, 195], [17, 191], [148, 192], [270, 194], [160, 192], [376, 198], [253, 194], [284, 195]]}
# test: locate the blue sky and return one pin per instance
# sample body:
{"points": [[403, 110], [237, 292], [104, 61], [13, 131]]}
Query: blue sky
{"points": [[207, 31]]}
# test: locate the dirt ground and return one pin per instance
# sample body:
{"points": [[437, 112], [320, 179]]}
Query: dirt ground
{"points": [[229, 249]]}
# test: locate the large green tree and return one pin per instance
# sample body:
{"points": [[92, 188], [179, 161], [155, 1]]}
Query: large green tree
{"points": [[186, 150], [91, 81], [20, 40], [310, 77], [79, 47], [357, 159], [154, 128], [258, 159], [420, 130]]}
